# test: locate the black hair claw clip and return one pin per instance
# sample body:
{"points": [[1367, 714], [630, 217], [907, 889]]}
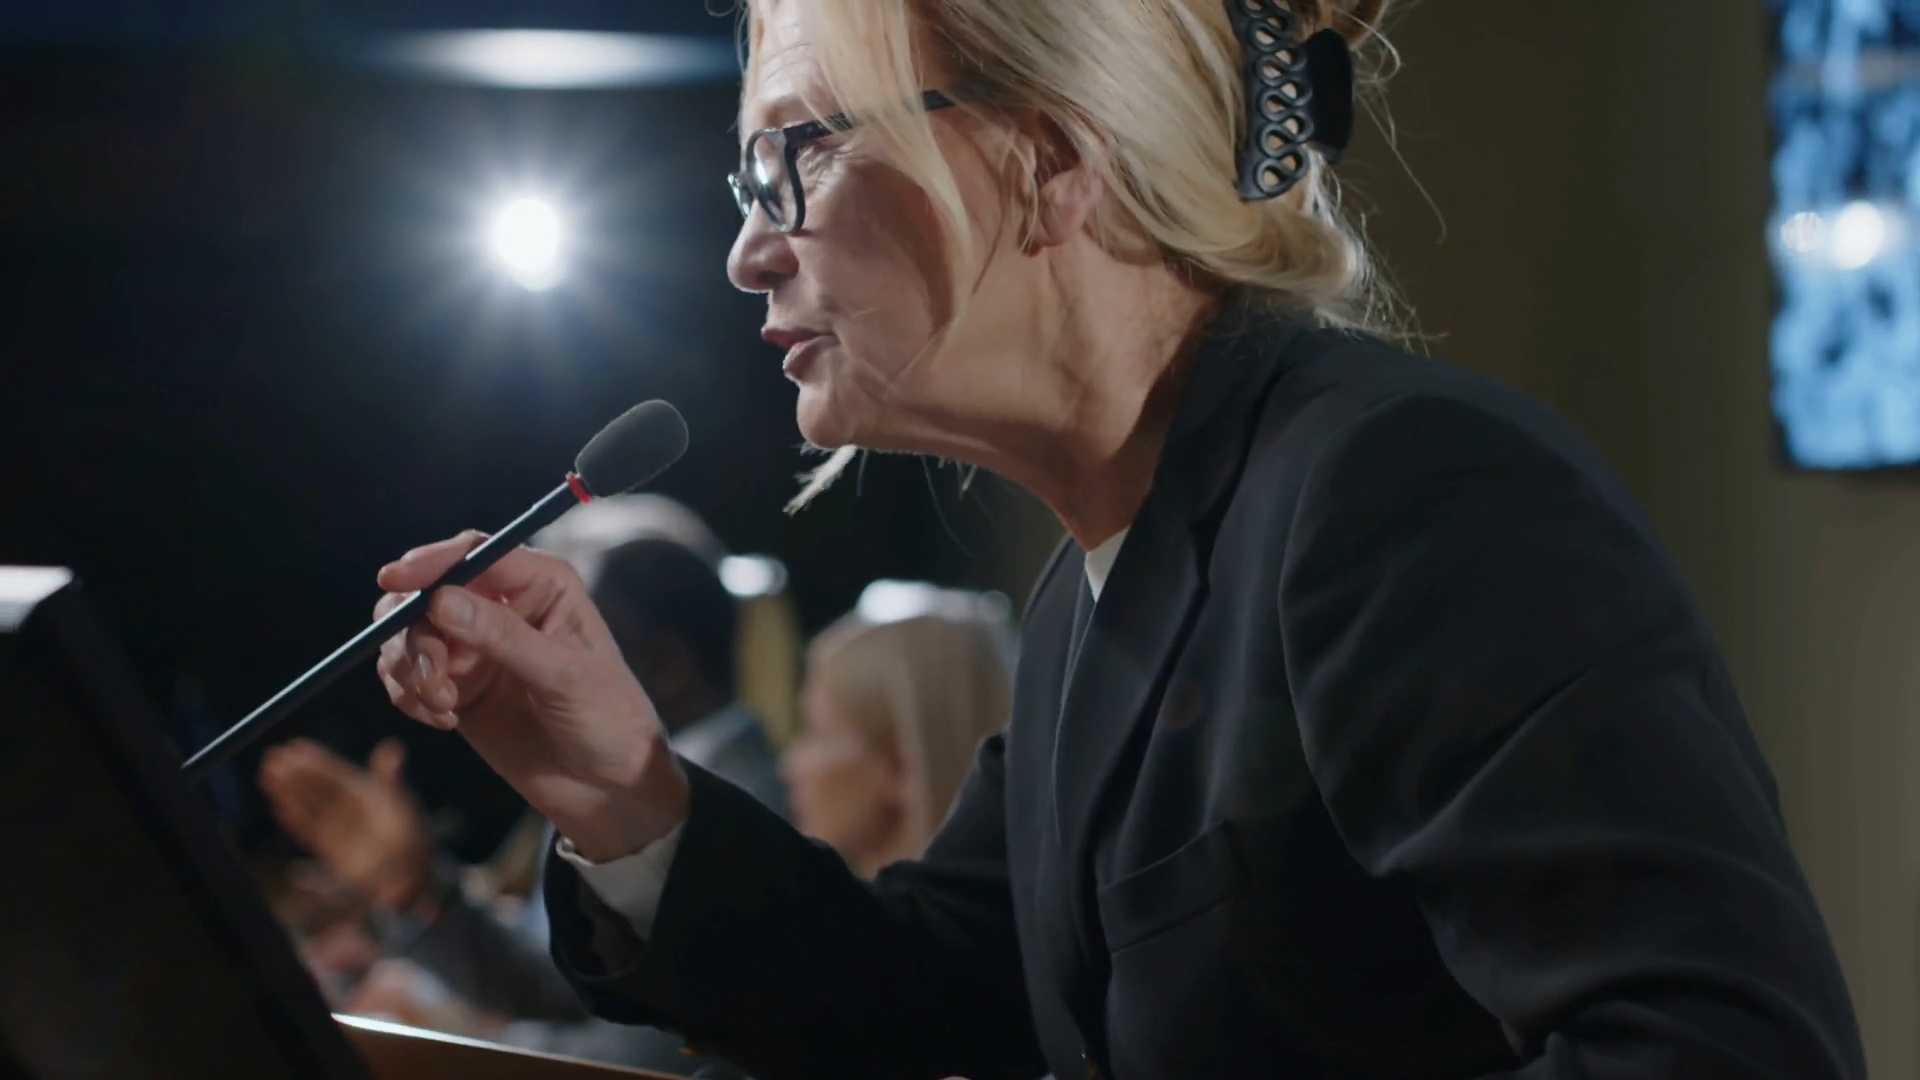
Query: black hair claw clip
{"points": [[1300, 95]]}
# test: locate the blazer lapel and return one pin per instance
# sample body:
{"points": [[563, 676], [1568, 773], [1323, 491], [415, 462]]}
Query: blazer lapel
{"points": [[1157, 585]]}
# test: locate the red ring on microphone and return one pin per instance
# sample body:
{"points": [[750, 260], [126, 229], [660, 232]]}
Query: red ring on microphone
{"points": [[579, 487]]}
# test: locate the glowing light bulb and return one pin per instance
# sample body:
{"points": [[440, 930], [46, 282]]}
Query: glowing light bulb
{"points": [[526, 237]]}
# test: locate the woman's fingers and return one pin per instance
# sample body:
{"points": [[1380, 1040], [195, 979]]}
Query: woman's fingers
{"points": [[471, 635], [498, 633], [462, 661], [415, 709], [427, 691], [386, 603], [392, 659], [436, 655], [422, 566], [528, 581], [427, 670], [419, 660]]}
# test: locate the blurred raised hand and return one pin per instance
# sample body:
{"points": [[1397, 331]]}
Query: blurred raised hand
{"points": [[363, 824]]}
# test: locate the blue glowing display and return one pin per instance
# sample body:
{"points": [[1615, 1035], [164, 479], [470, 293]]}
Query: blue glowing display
{"points": [[1845, 100]]}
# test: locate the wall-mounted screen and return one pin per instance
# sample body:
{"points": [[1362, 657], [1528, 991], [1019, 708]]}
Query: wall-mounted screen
{"points": [[1845, 232]]}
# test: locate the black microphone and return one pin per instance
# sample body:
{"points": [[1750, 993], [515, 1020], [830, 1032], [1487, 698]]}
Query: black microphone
{"points": [[627, 453]]}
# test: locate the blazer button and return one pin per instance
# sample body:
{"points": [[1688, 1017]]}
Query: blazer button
{"points": [[1093, 1071]]}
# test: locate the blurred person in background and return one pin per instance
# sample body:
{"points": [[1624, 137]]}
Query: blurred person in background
{"points": [[675, 624], [1362, 727], [585, 534], [366, 828], [767, 650], [892, 714], [328, 921]]}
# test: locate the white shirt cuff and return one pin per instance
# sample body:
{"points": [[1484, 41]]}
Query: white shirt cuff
{"points": [[631, 885]]}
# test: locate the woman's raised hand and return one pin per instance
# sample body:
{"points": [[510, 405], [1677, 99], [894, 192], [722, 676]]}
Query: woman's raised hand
{"points": [[521, 664]]}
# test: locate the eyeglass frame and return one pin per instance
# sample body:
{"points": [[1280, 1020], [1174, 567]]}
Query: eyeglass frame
{"points": [[788, 141]]}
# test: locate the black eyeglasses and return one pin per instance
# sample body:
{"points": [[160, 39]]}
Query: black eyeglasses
{"points": [[769, 172]]}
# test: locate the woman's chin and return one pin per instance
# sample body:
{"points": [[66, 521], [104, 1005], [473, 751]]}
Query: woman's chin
{"points": [[824, 421]]}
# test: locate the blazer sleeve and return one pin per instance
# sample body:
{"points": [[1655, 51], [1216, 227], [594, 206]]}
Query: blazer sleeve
{"points": [[1511, 705], [768, 951]]}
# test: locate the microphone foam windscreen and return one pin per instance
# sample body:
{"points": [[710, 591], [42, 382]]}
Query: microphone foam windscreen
{"points": [[632, 450]]}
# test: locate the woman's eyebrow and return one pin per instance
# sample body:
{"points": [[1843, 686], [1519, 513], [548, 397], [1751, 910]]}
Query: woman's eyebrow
{"points": [[777, 112]]}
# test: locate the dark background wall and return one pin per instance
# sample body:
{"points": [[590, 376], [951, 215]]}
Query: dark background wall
{"points": [[251, 349]]}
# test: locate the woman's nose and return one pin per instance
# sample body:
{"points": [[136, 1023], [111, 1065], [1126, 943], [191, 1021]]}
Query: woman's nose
{"points": [[762, 256]]}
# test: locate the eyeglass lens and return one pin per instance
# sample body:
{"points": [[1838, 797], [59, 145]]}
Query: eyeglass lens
{"points": [[766, 181]]}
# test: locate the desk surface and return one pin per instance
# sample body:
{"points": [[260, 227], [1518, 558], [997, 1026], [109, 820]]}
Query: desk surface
{"points": [[397, 1052]]}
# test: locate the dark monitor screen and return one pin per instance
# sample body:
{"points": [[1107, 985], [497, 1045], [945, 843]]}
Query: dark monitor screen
{"points": [[132, 943]]}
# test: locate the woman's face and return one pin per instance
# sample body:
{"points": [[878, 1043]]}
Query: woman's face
{"points": [[844, 789], [854, 298]]}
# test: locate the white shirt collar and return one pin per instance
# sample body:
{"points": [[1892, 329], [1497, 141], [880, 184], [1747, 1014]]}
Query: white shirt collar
{"points": [[1100, 562]]}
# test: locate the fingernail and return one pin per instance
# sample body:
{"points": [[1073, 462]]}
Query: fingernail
{"points": [[423, 667], [455, 608]]}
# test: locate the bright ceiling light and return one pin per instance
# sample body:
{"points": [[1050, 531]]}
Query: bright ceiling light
{"points": [[559, 59], [526, 237]]}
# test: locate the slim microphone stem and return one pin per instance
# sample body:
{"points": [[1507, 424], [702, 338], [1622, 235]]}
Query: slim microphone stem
{"points": [[367, 642]]}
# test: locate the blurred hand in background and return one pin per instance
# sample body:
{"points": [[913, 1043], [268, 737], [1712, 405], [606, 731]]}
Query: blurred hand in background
{"points": [[362, 823]]}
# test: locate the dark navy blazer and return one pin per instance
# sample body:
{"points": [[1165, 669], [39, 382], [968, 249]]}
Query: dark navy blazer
{"points": [[1394, 747]]}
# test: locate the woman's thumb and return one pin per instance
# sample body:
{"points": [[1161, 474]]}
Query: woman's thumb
{"points": [[496, 632]]}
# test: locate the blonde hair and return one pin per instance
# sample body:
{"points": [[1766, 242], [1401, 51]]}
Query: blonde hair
{"points": [[1150, 93], [931, 688]]}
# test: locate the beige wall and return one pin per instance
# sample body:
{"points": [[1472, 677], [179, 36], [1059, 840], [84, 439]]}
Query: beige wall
{"points": [[1601, 170]]}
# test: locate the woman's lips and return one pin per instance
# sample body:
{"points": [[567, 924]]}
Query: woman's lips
{"points": [[800, 345], [800, 357]]}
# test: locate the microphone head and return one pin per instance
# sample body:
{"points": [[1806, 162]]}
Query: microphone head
{"points": [[632, 450]]}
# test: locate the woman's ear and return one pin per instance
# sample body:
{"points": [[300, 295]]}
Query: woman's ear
{"points": [[1067, 189]]}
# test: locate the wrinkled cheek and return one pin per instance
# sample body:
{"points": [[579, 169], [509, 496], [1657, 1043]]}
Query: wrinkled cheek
{"points": [[904, 246]]}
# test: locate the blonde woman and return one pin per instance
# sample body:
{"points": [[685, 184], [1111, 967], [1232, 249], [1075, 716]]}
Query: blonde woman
{"points": [[892, 714], [1361, 728]]}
